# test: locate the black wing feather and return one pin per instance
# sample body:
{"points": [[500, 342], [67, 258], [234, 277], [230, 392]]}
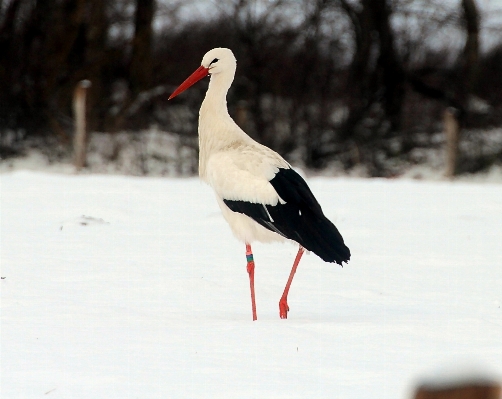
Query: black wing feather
{"points": [[300, 219]]}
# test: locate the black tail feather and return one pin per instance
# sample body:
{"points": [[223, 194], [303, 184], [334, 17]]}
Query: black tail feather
{"points": [[322, 237]]}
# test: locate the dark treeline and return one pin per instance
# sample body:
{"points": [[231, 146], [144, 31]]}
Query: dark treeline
{"points": [[357, 81]]}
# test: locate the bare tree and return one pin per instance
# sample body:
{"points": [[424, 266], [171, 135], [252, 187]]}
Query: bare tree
{"points": [[140, 69], [469, 75], [96, 60], [470, 61]]}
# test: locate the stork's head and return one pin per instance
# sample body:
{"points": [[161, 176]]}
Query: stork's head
{"points": [[215, 62]]}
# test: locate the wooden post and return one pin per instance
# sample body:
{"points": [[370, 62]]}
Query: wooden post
{"points": [[474, 390], [451, 129], [79, 110]]}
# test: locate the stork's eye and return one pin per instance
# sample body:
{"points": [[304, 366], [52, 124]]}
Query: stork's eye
{"points": [[213, 61]]}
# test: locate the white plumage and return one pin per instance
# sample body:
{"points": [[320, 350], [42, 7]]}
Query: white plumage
{"points": [[231, 162], [249, 179]]}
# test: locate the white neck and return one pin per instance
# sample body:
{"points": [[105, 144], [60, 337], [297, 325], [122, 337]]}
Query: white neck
{"points": [[216, 95], [216, 128]]}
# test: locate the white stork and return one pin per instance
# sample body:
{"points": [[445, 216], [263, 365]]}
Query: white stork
{"points": [[261, 197]]}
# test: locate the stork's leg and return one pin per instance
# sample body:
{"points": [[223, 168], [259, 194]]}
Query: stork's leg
{"points": [[283, 302], [250, 269]]}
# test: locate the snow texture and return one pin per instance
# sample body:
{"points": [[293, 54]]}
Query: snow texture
{"points": [[128, 287]]}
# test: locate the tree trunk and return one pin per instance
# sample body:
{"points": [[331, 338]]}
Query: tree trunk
{"points": [[470, 62], [95, 63], [469, 71], [48, 41], [389, 67], [140, 70], [372, 30], [361, 71]]}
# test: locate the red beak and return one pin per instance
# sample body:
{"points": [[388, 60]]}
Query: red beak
{"points": [[200, 73]]}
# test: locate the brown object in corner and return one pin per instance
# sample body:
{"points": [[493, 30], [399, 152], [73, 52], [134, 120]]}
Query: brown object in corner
{"points": [[472, 390]]}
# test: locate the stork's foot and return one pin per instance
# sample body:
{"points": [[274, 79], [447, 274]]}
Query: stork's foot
{"points": [[283, 308]]}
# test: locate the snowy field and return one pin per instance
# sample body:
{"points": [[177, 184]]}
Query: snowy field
{"points": [[127, 287]]}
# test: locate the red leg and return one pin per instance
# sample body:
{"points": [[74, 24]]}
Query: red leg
{"points": [[250, 269], [283, 302]]}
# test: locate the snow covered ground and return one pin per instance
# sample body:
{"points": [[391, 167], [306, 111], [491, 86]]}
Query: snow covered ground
{"points": [[128, 287]]}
